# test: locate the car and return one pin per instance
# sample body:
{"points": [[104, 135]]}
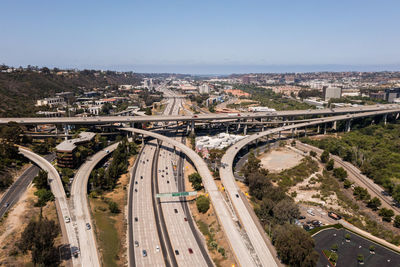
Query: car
{"points": [[157, 248], [190, 250], [75, 252], [237, 195], [141, 177], [136, 219], [67, 219], [185, 219], [135, 182], [176, 252], [162, 175], [136, 243], [302, 217], [195, 116], [135, 189], [144, 253], [167, 182], [166, 173], [166, 167], [6, 205], [88, 226], [176, 211], [147, 160], [107, 151]]}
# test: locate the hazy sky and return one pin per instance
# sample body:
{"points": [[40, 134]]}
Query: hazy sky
{"points": [[201, 36]]}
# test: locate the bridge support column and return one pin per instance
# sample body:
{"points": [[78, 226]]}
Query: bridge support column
{"points": [[318, 129], [227, 128], [348, 124], [325, 128], [305, 131], [385, 119], [292, 133], [279, 135], [334, 127], [263, 128], [397, 116], [142, 139], [238, 127], [192, 126], [245, 130]]}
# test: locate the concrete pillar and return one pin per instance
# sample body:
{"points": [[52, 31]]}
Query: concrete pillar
{"points": [[385, 119], [348, 124], [238, 127], [279, 135], [227, 128], [292, 132], [318, 129], [263, 128], [397, 116], [325, 128], [192, 126], [334, 126], [305, 131], [245, 130], [267, 141], [142, 139]]}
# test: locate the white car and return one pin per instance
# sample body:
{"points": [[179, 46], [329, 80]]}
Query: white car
{"points": [[157, 248], [67, 219]]}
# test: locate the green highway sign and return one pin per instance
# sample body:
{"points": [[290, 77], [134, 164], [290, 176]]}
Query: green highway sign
{"points": [[177, 194]]}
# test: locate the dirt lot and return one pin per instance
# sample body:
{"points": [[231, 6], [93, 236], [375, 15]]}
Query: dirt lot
{"points": [[279, 159]]}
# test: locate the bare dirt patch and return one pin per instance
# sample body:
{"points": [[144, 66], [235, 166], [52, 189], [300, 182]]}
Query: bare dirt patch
{"points": [[280, 159]]}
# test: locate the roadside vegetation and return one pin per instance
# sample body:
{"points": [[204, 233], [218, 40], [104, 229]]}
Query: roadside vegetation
{"points": [[277, 211], [373, 149]]}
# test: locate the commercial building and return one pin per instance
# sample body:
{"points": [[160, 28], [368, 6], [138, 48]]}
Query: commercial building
{"points": [[260, 109], [392, 94], [332, 92], [51, 101], [220, 141], [204, 89], [65, 150]]}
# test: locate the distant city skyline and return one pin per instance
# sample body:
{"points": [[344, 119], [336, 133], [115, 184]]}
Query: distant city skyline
{"points": [[202, 37]]}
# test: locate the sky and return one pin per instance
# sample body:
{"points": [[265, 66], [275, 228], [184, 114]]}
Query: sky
{"points": [[202, 37]]}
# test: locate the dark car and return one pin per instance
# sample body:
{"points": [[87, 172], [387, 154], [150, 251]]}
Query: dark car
{"points": [[302, 217], [190, 250], [136, 219], [176, 252]]}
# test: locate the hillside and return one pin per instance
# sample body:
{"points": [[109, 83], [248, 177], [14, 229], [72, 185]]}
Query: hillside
{"points": [[20, 89]]}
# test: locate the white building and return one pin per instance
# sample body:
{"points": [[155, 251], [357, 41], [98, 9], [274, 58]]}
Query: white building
{"points": [[51, 101], [95, 110], [260, 109], [204, 89], [332, 92]]}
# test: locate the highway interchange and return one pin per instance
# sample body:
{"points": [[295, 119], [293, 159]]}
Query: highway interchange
{"points": [[161, 234]]}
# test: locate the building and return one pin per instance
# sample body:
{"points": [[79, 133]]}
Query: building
{"points": [[65, 95], [50, 101], [220, 141], [377, 95], [95, 110], [260, 109], [314, 102], [391, 94], [332, 92], [105, 100], [65, 150], [204, 89]]}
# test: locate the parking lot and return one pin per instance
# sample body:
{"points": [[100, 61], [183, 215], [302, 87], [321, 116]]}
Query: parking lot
{"points": [[348, 251]]}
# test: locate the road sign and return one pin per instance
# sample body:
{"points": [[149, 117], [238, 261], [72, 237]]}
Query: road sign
{"points": [[177, 194]]}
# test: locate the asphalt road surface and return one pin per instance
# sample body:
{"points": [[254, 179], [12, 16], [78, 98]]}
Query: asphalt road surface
{"points": [[80, 208], [19, 187]]}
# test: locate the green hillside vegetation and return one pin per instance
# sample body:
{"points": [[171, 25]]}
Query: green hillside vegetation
{"points": [[20, 90], [374, 149]]}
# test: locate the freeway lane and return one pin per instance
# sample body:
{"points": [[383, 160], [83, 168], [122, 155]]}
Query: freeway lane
{"points": [[228, 178], [59, 194], [81, 211], [199, 117], [235, 239], [19, 186]]}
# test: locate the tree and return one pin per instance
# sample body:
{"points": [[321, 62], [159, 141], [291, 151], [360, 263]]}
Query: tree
{"points": [[374, 203], [347, 236], [38, 237], [386, 214], [196, 181], [286, 211], [313, 153], [340, 173], [396, 222], [330, 165], [334, 247], [202, 203], [347, 183], [295, 247], [40, 180], [113, 207], [148, 111], [44, 196], [360, 258], [361, 193], [252, 165], [325, 156]]}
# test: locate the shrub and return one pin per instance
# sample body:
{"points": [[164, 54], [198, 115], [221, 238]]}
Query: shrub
{"points": [[113, 207], [203, 204]]}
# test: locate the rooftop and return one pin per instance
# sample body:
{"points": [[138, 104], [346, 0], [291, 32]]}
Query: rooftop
{"points": [[70, 145]]}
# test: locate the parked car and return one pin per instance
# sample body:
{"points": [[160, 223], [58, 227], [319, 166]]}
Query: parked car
{"points": [[88, 227]]}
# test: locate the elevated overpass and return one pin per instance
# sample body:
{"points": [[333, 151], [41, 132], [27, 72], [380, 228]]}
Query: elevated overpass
{"points": [[289, 114]]}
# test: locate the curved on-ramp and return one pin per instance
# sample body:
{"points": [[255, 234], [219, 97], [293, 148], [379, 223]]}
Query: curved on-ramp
{"points": [[81, 210], [228, 179], [239, 248], [58, 191]]}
